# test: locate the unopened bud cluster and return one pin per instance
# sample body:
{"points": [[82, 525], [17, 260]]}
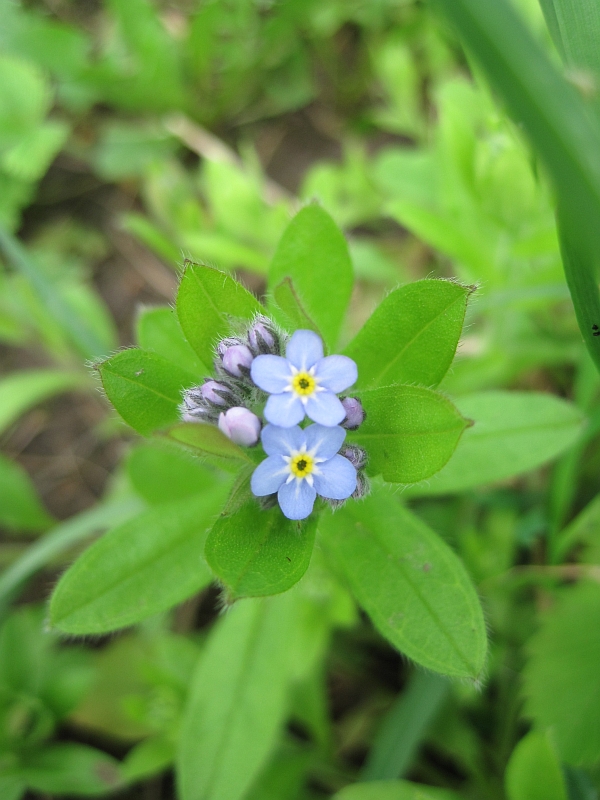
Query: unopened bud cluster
{"points": [[224, 401]]}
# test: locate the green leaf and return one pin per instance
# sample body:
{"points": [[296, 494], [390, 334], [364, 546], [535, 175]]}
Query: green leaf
{"points": [[411, 337], [74, 769], [575, 28], [145, 388], [257, 552], [563, 132], [12, 787], [409, 432], [139, 568], [513, 433], [22, 390], [411, 584], [20, 508], [238, 699], [60, 539], [209, 441], [150, 757], [533, 772], [561, 677], [159, 330], [405, 726], [394, 790], [160, 472], [314, 254], [208, 304], [294, 315]]}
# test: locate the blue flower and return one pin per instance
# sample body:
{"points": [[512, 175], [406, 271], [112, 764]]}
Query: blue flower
{"points": [[302, 463], [304, 382]]}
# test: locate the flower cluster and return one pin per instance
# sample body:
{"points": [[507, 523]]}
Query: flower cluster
{"points": [[302, 462]]}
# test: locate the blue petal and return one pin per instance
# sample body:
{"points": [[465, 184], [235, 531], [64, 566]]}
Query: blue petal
{"points": [[268, 476], [296, 499], [281, 441], [271, 373], [324, 408], [285, 409], [336, 373], [325, 441], [336, 479], [305, 348]]}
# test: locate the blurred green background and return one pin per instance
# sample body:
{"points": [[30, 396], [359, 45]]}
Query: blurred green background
{"points": [[134, 134]]}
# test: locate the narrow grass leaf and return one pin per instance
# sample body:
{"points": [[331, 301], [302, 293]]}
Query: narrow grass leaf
{"points": [[22, 390]]}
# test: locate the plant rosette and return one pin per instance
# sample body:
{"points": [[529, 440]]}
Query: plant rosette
{"points": [[287, 438]]}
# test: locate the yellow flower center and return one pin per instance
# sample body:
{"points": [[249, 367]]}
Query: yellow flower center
{"points": [[303, 383], [302, 465]]}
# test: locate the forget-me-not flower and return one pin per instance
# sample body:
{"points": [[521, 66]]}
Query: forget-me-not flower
{"points": [[304, 382], [302, 463]]}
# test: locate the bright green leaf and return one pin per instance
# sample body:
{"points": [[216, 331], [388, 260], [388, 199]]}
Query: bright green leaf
{"points": [[414, 588], [161, 472], [73, 769], [209, 441], [22, 390], [208, 304], [394, 790], [411, 337], [141, 567], [533, 772], [158, 330], [409, 432], [294, 315], [561, 677], [149, 757], [20, 508], [257, 552], [513, 432], [238, 699], [145, 388], [314, 254]]}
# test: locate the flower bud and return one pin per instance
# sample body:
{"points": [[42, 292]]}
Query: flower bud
{"points": [[263, 338], [217, 393], [237, 360], [355, 413], [355, 455], [363, 486], [240, 425]]}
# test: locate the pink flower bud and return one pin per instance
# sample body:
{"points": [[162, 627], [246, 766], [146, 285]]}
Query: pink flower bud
{"points": [[240, 425], [215, 392], [355, 455], [355, 413], [236, 359]]}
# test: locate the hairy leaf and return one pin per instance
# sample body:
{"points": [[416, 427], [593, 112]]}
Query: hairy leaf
{"points": [[409, 432], [411, 337], [314, 254], [414, 588], [145, 388], [256, 552], [208, 303]]}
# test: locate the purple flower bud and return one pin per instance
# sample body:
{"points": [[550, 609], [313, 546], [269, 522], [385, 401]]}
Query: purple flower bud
{"points": [[215, 392], [240, 425], [237, 360], [355, 455], [355, 413], [262, 337], [363, 486]]}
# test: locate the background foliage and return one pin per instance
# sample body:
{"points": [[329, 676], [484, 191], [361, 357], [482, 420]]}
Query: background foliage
{"points": [[458, 139]]}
